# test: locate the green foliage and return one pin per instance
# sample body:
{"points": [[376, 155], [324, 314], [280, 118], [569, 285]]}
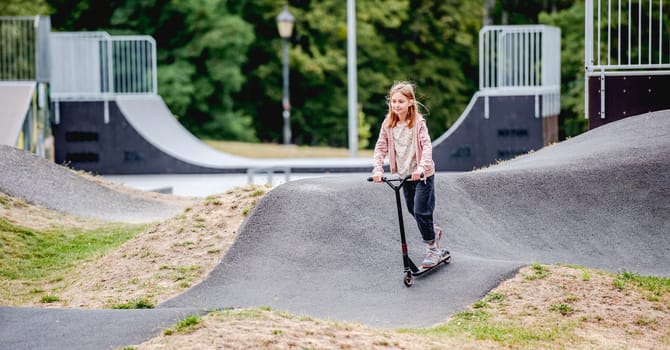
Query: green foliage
{"points": [[539, 272], [478, 325], [571, 23], [141, 303], [201, 49], [562, 308], [220, 62], [184, 325], [24, 8], [174, 85], [46, 299], [657, 286], [364, 133]]}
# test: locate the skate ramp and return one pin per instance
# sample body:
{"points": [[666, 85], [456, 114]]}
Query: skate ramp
{"points": [[491, 128], [152, 119], [139, 135], [40, 181], [329, 247], [15, 98]]}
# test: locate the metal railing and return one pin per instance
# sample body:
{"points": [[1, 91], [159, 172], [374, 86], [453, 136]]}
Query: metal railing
{"points": [[626, 35], [522, 60], [24, 48], [96, 65], [269, 171]]}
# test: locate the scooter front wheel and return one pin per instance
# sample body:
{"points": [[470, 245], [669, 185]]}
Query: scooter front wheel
{"points": [[408, 280]]}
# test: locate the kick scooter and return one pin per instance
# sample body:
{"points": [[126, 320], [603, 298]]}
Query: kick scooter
{"points": [[410, 269]]}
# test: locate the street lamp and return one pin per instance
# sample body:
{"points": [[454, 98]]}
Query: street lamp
{"points": [[285, 23]]}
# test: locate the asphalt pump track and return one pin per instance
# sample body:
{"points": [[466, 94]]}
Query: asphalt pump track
{"points": [[329, 247]]}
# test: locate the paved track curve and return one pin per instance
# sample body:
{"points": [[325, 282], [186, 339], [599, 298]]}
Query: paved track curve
{"points": [[329, 248]]}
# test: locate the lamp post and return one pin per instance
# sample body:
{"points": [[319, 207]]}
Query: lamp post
{"points": [[285, 23]]}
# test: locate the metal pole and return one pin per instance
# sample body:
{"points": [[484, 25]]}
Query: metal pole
{"points": [[286, 102], [588, 50], [352, 90]]}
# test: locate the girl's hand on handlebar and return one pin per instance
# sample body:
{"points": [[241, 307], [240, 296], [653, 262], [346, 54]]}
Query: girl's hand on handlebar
{"points": [[416, 175], [377, 176]]}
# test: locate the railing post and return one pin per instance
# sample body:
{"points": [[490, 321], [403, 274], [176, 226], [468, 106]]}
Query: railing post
{"points": [[588, 52]]}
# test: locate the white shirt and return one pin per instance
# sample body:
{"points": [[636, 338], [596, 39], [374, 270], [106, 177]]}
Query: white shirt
{"points": [[405, 149]]}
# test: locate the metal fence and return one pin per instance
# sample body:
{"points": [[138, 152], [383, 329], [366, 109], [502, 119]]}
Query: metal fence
{"points": [[624, 38], [522, 60], [24, 48], [96, 65], [629, 35]]}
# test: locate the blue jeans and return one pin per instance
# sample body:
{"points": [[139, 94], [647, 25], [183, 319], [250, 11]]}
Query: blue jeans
{"points": [[420, 200]]}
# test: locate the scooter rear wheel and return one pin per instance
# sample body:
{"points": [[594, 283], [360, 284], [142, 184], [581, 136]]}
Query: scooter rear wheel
{"points": [[408, 280]]}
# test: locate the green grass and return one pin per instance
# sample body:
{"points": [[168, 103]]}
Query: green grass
{"points": [[46, 299], [540, 271], [185, 325], [562, 308], [141, 303], [656, 286], [273, 150], [475, 324], [30, 255]]}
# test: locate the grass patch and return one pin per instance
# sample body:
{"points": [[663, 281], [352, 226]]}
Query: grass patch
{"points": [[656, 286], [272, 150], [476, 324], [247, 313], [562, 308], [186, 325], [36, 256], [248, 209], [141, 303], [539, 271], [257, 193], [46, 299], [495, 297]]}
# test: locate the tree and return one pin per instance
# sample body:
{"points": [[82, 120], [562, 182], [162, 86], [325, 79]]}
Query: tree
{"points": [[202, 46], [318, 66], [428, 42], [571, 21], [220, 64], [440, 46], [24, 8]]}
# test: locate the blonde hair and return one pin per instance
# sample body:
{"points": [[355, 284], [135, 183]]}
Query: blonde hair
{"points": [[406, 89]]}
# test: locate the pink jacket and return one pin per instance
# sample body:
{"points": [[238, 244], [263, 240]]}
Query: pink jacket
{"points": [[424, 149]]}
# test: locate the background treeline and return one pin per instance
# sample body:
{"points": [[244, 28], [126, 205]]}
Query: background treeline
{"points": [[220, 68]]}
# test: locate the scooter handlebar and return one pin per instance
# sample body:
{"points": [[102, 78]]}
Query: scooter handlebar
{"points": [[385, 179]]}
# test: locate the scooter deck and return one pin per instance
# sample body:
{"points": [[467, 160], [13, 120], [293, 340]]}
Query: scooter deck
{"points": [[446, 258]]}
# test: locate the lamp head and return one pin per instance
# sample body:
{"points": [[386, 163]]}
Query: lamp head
{"points": [[285, 21]]}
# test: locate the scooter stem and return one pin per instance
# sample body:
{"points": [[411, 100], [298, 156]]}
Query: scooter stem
{"points": [[407, 262]]}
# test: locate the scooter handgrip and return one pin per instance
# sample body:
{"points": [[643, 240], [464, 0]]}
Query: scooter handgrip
{"points": [[370, 179]]}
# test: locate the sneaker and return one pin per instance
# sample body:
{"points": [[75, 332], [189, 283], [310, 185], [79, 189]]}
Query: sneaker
{"points": [[431, 258]]}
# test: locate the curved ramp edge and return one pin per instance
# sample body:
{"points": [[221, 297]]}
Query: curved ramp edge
{"points": [[151, 118]]}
